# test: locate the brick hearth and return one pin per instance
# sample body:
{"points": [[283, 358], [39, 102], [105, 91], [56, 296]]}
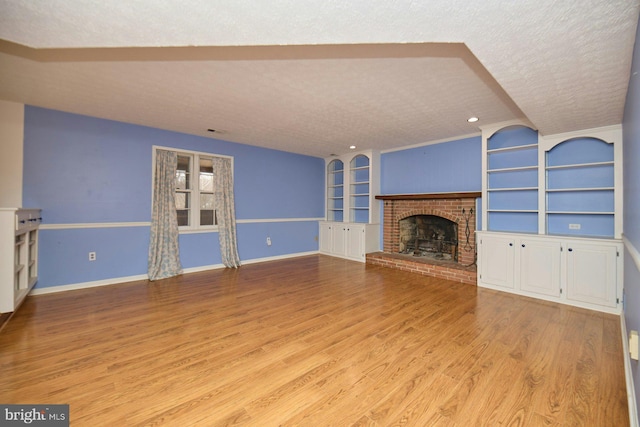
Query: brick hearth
{"points": [[446, 205]]}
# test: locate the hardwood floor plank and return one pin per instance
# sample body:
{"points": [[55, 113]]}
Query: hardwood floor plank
{"points": [[586, 377], [423, 408], [313, 341]]}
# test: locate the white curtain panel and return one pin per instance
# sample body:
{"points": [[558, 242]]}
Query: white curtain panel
{"points": [[226, 212], [164, 252]]}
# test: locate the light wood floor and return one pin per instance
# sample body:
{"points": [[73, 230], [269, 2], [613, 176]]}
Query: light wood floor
{"points": [[313, 341]]}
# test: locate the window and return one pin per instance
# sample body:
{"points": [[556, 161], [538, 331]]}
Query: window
{"points": [[207, 213], [183, 190], [194, 191]]}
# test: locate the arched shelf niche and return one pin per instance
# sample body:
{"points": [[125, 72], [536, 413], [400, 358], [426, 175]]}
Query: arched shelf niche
{"points": [[335, 190], [359, 191], [580, 187], [511, 202]]}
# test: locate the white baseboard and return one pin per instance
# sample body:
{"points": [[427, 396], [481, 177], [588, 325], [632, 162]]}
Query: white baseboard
{"points": [[85, 285], [116, 280], [631, 393], [278, 257]]}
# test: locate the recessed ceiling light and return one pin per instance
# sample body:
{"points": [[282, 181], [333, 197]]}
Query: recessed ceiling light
{"points": [[352, 147], [472, 119]]}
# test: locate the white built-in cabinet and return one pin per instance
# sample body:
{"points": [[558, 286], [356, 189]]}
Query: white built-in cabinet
{"points": [[352, 226], [349, 240], [581, 272], [18, 255], [552, 215]]}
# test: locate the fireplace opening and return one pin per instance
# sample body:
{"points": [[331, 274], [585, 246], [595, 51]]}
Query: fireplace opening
{"points": [[429, 236]]}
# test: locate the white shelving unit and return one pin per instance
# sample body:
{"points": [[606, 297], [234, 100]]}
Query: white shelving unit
{"points": [[552, 215], [511, 180], [352, 226], [18, 255], [580, 187], [335, 190], [360, 197]]}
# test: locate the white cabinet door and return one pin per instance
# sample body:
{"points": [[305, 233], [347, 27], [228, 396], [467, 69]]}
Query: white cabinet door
{"points": [[326, 237], [591, 273], [540, 266], [339, 240], [355, 236], [496, 261]]}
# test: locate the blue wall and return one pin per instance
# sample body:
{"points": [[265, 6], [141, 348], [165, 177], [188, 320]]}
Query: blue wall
{"points": [[80, 170], [428, 169], [450, 166], [631, 165]]}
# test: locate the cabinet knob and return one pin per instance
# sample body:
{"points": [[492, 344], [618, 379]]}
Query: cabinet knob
{"points": [[570, 250], [523, 245], [510, 244]]}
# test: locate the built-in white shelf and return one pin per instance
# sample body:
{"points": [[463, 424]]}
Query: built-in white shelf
{"points": [[513, 148], [514, 189], [580, 165], [19, 230], [522, 168]]}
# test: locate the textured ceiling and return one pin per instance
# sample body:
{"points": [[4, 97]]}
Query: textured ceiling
{"points": [[315, 77]]}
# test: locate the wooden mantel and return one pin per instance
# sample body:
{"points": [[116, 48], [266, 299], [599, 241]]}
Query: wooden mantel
{"points": [[430, 196]]}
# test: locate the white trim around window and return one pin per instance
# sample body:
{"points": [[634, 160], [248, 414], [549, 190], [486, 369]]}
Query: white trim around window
{"points": [[193, 193]]}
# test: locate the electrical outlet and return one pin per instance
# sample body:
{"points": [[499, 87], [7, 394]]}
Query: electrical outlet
{"points": [[92, 256], [574, 226], [633, 344], [268, 241]]}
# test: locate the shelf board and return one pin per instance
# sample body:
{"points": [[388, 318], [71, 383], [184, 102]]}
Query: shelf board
{"points": [[580, 165], [578, 213], [569, 190], [514, 148], [515, 169], [588, 236], [514, 210], [512, 189]]}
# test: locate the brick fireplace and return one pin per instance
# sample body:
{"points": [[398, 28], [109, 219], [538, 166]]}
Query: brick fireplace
{"points": [[432, 250]]}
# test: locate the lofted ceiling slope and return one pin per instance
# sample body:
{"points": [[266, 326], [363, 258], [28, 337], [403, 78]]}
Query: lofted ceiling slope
{"points": [[316, 77]]}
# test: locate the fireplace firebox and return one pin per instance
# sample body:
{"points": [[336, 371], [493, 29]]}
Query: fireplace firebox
{"points": [[429, 236]]}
